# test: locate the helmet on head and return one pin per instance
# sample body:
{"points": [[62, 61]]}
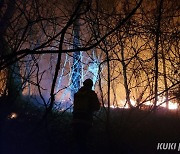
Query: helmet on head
{"points": [[88, 83]]}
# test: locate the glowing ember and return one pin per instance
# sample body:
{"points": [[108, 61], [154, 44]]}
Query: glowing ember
{"points": [[12, 116]]}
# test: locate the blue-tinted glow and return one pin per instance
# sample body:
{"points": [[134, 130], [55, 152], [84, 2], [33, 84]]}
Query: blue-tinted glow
{"points": [[94, 68]]}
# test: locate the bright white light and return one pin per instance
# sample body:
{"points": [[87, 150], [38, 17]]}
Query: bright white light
{"points": [[148, 103], [172, 106], [112, 106], [161, 100], [133, 102], [123, 104]]}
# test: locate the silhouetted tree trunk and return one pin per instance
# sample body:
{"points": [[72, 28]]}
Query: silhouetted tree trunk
{"points": [[165, 77], [157, 34], [127, 91], [13, 83], [63, 32], [108, 91]]}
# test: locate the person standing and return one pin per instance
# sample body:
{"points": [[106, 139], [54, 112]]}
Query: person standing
{"points": [[85, 104]]}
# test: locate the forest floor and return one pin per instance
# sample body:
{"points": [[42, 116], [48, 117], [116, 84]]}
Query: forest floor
{"points": [[130, 131]]}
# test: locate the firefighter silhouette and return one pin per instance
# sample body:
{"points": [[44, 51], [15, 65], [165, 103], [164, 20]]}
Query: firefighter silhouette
{"points": [[85, 103]]}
